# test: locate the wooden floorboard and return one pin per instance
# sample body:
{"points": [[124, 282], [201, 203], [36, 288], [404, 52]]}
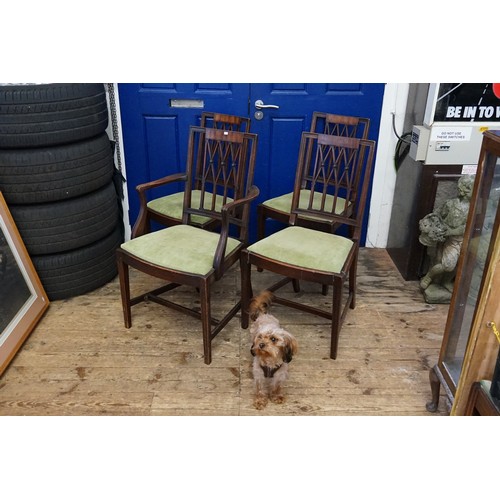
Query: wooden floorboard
{"points": [[80, 360]]}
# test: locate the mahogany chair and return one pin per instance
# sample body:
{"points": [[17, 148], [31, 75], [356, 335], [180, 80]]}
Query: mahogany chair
{"points": [[185, 254], [278, 208], [167, 210], [335, 171]]}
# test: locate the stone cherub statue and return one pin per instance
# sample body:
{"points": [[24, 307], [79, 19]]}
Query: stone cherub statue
{"points": [[442, 232]]}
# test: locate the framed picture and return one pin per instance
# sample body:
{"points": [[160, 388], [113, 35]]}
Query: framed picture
{"points": [[22, 297]]}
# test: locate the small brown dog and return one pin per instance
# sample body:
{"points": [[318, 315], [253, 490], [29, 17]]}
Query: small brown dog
{"points": [[272, 348]]}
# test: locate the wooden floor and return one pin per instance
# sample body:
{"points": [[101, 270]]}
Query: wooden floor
{"points": [[80, 360]]}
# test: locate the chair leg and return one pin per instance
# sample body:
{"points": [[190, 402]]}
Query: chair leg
{"points": [[206, 321], [261, 223], [353, 272], [246, 290], [336, 316], [123, 273], [261, 226]]}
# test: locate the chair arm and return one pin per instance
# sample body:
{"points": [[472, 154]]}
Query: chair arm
{"points": [[141, 224], [253, 192], [141, 188], [231, 207]]}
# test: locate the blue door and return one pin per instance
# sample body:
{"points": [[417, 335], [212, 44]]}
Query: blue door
{"points": [[156, 120]]}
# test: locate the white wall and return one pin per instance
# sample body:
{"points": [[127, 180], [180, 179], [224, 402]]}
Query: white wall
{"points": [[122, 159], [384, 177]]}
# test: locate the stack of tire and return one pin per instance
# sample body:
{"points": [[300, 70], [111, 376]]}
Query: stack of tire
{"points": [[58, 178]]}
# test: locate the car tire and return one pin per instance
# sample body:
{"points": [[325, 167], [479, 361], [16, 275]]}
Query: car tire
{"points": [[48, 228], [79, 271], [42, 175], [51, 114]]}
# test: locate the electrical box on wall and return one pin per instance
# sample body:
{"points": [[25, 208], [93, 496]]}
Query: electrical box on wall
{"points": [[419, 142], [443, 144], [456, 116]]}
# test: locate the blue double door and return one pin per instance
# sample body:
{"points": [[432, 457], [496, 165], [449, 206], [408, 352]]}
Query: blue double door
{"points": [[156, 120]]}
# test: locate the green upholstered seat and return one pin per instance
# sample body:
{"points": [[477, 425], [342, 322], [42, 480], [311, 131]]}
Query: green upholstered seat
{"points": [[171, 205], [182, 248], [284, 203], [187, 254], [303, 247], [305, 251]]}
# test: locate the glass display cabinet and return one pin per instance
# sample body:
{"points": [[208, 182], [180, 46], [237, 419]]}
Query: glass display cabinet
{"points": [[481, 234]]}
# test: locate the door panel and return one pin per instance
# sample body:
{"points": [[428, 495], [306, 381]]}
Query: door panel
{"points": [[280, 129], [155, 131]]}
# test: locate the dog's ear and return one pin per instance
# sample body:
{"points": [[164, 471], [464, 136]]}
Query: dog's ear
{"points": [[252, 350], [290, 348]]}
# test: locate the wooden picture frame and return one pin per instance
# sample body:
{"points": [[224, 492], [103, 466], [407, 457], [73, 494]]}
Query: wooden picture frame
{"points": [[22, 297]]}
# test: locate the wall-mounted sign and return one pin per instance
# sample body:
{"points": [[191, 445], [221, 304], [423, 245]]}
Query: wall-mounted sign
{"points": [[463, 102], [450, 133]]}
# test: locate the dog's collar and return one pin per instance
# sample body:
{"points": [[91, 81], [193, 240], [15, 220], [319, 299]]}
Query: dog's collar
{"points": [[269, 372]]}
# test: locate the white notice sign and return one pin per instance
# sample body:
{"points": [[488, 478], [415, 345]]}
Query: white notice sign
{"points": [[469, 169], [450, 133]]}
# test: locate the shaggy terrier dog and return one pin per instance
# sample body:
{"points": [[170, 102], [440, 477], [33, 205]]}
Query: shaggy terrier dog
{"points": [[272, 347]]}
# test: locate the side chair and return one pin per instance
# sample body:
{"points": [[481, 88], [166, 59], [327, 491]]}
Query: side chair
{"points": [[167, 210], [278, 208], [334, 170], [220, 164]]}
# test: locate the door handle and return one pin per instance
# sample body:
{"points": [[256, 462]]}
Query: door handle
{"points": [[260, 105]]}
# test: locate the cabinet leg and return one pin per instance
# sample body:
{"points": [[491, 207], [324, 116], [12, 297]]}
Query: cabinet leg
{"points": [[432, 406]]}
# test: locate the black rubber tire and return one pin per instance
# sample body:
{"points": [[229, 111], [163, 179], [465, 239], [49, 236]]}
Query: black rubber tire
{"points": [[80, 271], [55, 173], [50, 228], [51, 114]]}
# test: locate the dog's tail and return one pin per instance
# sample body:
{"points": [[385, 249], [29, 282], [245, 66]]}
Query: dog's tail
{"points": [[260, 304]]}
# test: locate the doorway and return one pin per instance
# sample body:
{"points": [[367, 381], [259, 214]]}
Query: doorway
{"points": [[156, 119]]}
